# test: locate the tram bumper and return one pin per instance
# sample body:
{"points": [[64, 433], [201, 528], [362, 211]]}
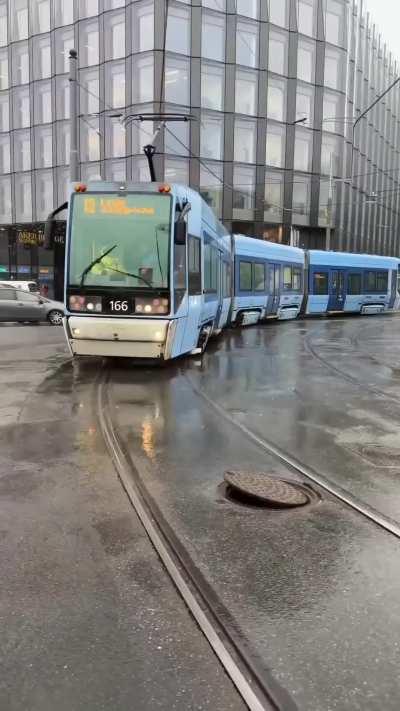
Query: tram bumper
{"points": [[120, 337]]}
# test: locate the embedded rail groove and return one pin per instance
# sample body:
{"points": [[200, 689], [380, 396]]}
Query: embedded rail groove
{"points": [[342, 495], [255, 684]]}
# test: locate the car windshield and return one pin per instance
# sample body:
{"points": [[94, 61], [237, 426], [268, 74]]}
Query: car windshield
{"points": [[131, 231]]}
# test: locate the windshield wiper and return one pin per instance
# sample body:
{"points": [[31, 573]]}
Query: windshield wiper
{"points": [[95, 261], [130, 274]]}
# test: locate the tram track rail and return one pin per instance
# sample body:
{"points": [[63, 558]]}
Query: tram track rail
{"points": [[309, 473], [253, 680]]}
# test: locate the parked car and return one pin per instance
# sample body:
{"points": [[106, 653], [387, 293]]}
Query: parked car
{"points": [[23, 285], [18, 305]]}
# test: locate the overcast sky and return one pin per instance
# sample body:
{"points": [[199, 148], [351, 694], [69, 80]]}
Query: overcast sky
{"points": [[386, 14]]}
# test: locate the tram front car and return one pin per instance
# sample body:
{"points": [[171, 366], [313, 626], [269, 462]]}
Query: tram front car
{"points": [[126, 269]]}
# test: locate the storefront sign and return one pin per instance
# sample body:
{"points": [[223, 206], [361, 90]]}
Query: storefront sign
{"points": [[30, 238]]}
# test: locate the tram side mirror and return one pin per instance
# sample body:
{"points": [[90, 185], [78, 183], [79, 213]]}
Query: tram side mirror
{"points": [[180, 232]]}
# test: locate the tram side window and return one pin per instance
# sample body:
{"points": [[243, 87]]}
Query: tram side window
{"points": [[296, 279], [210, 268], [179, 274], [287, 278], [376, 281], [226, 271], [245, 283], [354, 284], [321, 283], [398, 280], [194, 265], [382, 281], [259, 277]]}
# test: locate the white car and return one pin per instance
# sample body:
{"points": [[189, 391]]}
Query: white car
{"points": [[23, 306]]}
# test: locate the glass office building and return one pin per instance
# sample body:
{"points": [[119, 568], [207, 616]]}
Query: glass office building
{"points": [[246, 71]]}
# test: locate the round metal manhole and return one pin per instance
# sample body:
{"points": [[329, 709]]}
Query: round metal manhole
{"points": [[266, 490]]}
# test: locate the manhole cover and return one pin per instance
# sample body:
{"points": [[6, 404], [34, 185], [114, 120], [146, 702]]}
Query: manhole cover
{"points": [[266, 489]]}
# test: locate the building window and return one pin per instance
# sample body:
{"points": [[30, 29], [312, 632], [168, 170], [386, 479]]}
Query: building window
{"points": [[5, 199], [247, 44], [90, 143], [116, 170], [305, 103], [176, 170], [115, 84], [19, 19], [42, 97], [40, 16], [23, 197], [63, 142], [41, 57], [62, 98], [3, 24], [113, 4], [275, 145], [89, 43], [114, 36], [176, 139], [4, 112], [331, 150], [141, 133], [178, 29], [326, 216], [213, 36], [63, 12], [278, 12], [44, 193], [244, 187], [211, 137], [115, 139], [303, 150], [301, 200], [211, 182], [335, 19], [333, 112], [276, 102], [89, 91], [245, 141], [306, 17], [249, 8], [142, 78], [22, 150], [278, 52], [64, 41], [21, 107], [212, 86], [306, 60], [273, 196], [177, 84], [246, 92], [90, 171], [334, 68], [88, 8], [217, 4], [143, 26], [20, 63], [4, 154], [4, 83], [43, 147], [140, 170]]}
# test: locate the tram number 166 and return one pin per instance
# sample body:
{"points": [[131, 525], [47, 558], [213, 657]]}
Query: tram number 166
{"points": [[119, 305]]}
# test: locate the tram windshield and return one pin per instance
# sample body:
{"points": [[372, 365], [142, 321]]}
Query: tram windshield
{"points": [[120, 240]]}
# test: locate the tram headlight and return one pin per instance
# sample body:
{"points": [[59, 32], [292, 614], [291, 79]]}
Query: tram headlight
{"points": [[147, 305], [92, 304]]}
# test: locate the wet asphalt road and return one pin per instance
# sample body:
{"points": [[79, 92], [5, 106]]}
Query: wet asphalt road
{"points": [[314, 591], [88, 618]]}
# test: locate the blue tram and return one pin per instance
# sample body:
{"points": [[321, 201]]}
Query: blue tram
{"points": [[152, 273]]}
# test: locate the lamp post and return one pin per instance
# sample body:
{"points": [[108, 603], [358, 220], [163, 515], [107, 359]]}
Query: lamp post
{"points": [[73, 112]]}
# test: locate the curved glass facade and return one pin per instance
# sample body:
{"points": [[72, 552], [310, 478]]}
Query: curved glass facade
{"points": [[246, 70]]}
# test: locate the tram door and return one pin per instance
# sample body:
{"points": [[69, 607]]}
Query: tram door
{"points": [[337, 293], [221, 267], [274, 271]]}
